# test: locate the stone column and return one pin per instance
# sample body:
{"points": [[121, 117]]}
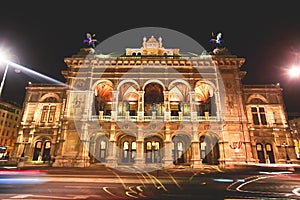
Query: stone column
{"points": [[83, 159], [167, 160], [196, 160], [114, 105], [127, 115], [141, 106], [101, 115], [167, 112], [193, 106], [112, 151], [153, 115], [180, 116], [140, 158]]}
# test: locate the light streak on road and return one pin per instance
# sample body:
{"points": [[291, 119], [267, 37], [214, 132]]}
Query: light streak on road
{"points": [[154, 180], [120, 179], [296, 191], [107, 191], [174, 180], [253, 179], [131, 192]]}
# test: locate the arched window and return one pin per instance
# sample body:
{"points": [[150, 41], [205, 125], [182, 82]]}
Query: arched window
{"points": [[46, 153], [102, 154], [152, 151], [37, 150], [270, 154], [42, 151], [133, 151], [203, 150], [260, 153], [125, 154]]}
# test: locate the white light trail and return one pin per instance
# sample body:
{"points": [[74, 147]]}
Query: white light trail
{"points": [[32, 72]]}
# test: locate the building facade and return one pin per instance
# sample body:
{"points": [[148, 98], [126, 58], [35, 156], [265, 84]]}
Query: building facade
{"points": [[295, 134], [10, 118], [154, 107]]}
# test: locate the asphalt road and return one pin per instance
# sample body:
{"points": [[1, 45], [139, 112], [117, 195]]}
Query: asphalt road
{"points": [[134, 183]]}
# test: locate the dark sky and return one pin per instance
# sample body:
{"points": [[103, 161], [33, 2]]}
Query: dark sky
{"points": [[40, 35]]}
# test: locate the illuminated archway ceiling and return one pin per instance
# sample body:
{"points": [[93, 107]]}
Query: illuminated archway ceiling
{"points": [[104, 91], [179, 92], [203, 92], [130, 96], [128, 92]]}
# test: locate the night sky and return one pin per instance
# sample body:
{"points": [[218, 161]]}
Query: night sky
{"points": [[41, 35]]}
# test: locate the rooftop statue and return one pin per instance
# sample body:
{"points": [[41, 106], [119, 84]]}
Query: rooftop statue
{"points": [[218, 48], [217, 41], [90, 40]]}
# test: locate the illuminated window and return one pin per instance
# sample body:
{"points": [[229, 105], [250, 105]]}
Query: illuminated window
{"points": [[52, 114], [149, 146], [126, 145], [133, 145], [102, 145], [48, 114], [156, 146], [180, 146]]}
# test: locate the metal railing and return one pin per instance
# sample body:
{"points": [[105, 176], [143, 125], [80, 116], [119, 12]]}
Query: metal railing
{"points": [[150, 118]]}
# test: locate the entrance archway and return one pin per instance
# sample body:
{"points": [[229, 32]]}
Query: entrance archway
{"points": [[98, 148], [127, 149], [181, 149], [153, 147], [41, 151], [209, 149]]}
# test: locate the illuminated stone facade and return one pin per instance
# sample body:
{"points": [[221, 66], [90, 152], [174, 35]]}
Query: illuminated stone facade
{"points": [[295, 132], [10, 117], [153, 107]]}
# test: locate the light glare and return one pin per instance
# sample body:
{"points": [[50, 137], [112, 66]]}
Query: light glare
{"points": [[294, 71]]}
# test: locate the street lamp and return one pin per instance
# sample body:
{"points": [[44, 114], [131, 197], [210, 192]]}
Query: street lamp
{"points": [[285, 145], [3, 58], [3, 79], [294, 71]]}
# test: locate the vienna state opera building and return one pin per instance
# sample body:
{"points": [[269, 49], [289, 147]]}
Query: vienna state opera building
{"points": [[153, 107]]}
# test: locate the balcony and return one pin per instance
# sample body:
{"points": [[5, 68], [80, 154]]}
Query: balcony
{"points": [[107, 118]]}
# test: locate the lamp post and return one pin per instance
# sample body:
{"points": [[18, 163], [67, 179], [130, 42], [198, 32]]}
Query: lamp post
{"points": [[3, 79], [285, 145]]}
